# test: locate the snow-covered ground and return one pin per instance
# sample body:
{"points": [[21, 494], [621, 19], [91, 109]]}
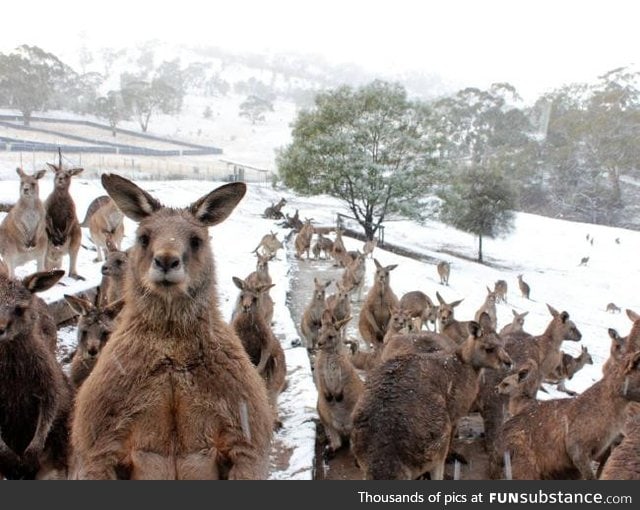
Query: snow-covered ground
{"points": [[545, 251]]}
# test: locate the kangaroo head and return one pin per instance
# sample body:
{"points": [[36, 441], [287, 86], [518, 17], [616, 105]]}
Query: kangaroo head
{"points": [[95, 324], [62, 179], [249, 294], [487, 349], [29, 187], [17, 302], [171, 258], [329, 334], [563, 326]]}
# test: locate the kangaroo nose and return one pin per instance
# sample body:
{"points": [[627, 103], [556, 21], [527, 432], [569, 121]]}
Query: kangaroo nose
{"points": [[93, 351], [166, 263]]}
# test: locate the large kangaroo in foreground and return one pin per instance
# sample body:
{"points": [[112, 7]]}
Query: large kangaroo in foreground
{"points": [[173, 394]]}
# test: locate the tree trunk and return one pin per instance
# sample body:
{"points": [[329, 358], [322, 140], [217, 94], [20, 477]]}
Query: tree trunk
{"points": [[480, 248], [26, 118]]}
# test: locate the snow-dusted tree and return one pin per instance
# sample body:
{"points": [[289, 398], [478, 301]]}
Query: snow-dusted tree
{"points": [[144, 99], [480, 202], [112, 108], [254, 108], [368, 147], [29, 78]]}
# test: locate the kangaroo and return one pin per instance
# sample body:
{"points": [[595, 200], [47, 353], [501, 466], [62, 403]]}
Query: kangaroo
{"points": [[558, 439], [612, 308], [368, 248], [616, 351], [489, 307], [113, 272], [95, 204], [106, 223], [294, 222], [339, 304], [435, 391], [500, 290], [22, 232], [421, 309], [269, 245], [339, 251], [516, 326], [444, 268], [447, 324], [302, 241], [524, 287], [353, 277], [274, 212], [624, 461], [544, 349], [567, 368], [322, 245], [260, 277], [584, 261], [400, 343], [263, 348], [312, 316], [521, 386], [62, 226], [173, 394], [95, 326], [35, 396], [338, 384], [376, 310]]}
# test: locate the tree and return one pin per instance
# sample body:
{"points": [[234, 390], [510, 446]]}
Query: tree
{"points": [[254, 108], [479, 202], [368, 147], [112, 108], [144, 99], [28, 79]]}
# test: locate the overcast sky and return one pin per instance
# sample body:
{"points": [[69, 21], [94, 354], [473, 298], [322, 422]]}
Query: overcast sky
{"points": [[534, 44]]}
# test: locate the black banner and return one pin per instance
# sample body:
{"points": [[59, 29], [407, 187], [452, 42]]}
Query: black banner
{"points": [[327, 495]]}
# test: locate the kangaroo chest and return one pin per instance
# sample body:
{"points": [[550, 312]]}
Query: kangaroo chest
{"points": [[333, 375]]}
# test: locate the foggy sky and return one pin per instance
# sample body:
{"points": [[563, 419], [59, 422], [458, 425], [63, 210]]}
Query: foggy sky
{"points": [[534, 44]]}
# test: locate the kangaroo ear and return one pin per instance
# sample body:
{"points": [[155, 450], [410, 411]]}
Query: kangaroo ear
{"points": [[485, 321], [40, 174], [20, 172], [632, 315], [79, 305], [456, 303], [239, 282], [113, 309], [75, 171], [378, 266], [392, 267], [215, 207], [475, 330], [552, 310], [515, 314], [39, 282], [134, 202], [564, 316], [53, 167]]}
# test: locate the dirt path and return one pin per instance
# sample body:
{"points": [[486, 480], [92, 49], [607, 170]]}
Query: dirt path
{"points": [[469, 443]]}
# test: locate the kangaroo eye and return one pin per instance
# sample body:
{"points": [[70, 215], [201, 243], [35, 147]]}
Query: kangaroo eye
{"points": [[195, 242], [490, 350], [143, 240], [19, 311]]}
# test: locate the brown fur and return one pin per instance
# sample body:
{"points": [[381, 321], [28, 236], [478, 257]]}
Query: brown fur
{"points": [[258, 277], [369, 247], [420, 308], [293, 222], [404, 422], [613, 308], [339, 386], [255, 333], [173, 394], [312, 316], [521, 386], [339, 304], [339, 251], [35, 396], [500, 290], [62, 226], [95, 204], [558, 439], [420, 342], [524, 287], [444, 269], [489, 307], [302, 242], [106, 224], [269, 245], [22, 232], [377, 307], [567, 368], [113, 271], [95, 325], [543, 349], [447, 323], [624, 462], [353, 277], [322, 245], [516, 326], [274, 212]]}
